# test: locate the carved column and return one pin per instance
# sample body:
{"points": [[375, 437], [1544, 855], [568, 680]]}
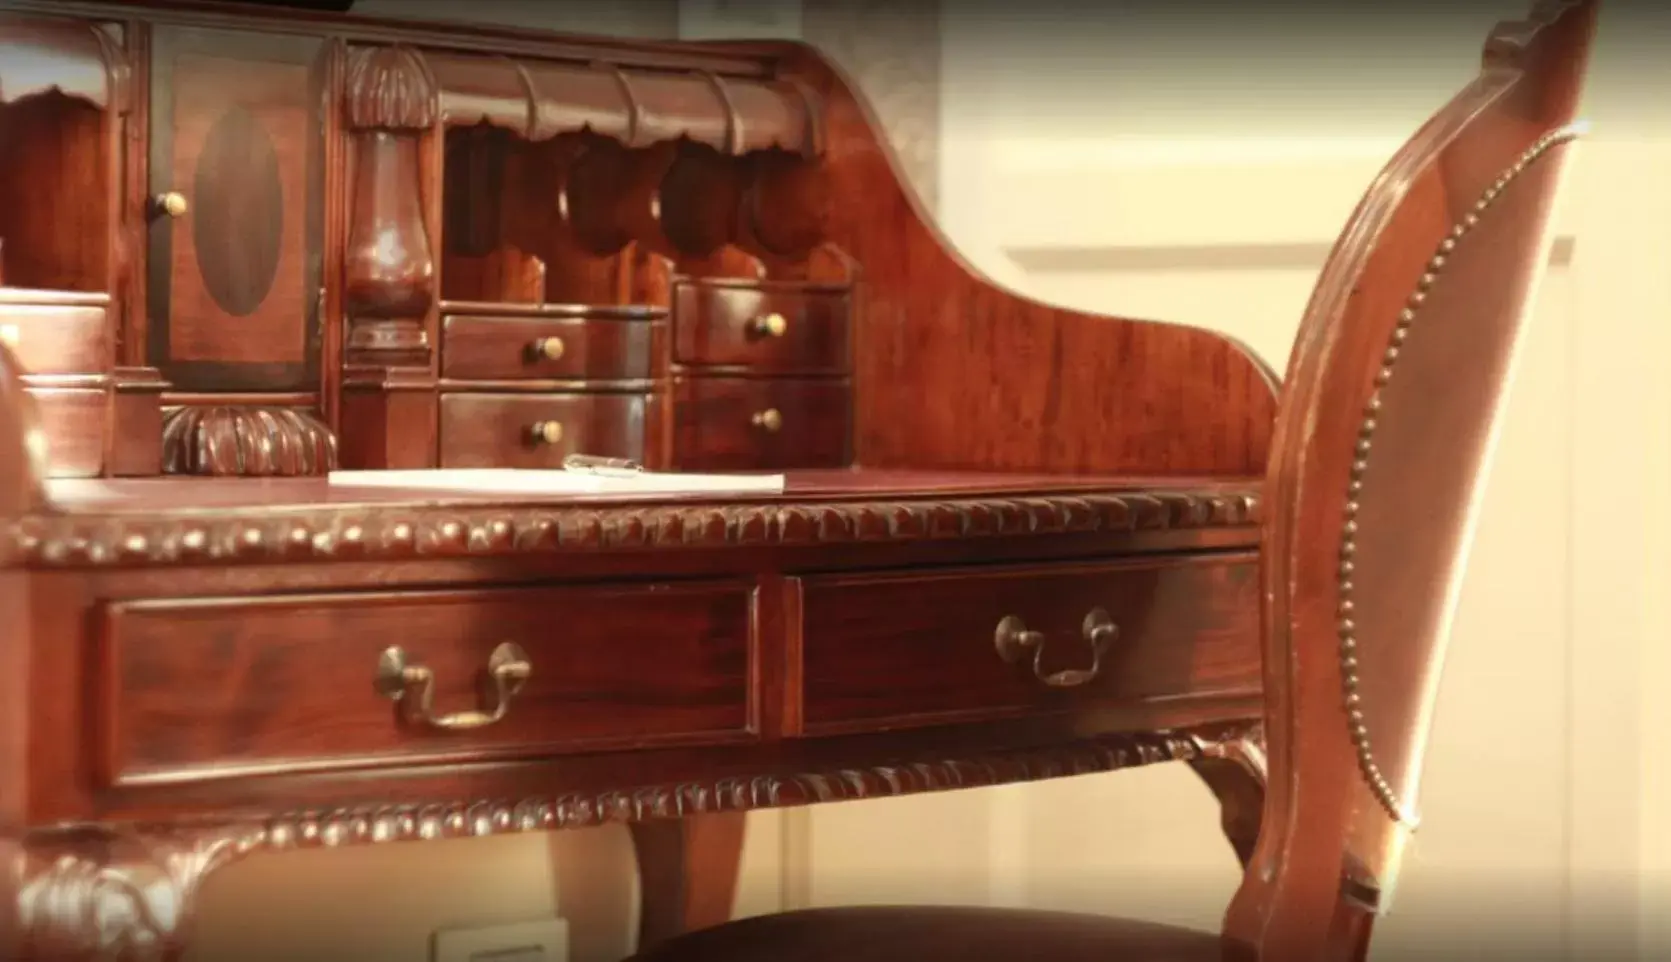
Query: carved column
{"points": [[389, 264], [86, 894]]}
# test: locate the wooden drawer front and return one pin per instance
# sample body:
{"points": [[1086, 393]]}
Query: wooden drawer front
{"points": [[56, 339], [725, 424], [201, 689], [920, 648], [553, 348], [73, 420], [500, 430], [734, 326]]}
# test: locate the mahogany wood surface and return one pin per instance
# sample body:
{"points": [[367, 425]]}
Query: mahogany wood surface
{"points": [[256, 245], [259, 245]]}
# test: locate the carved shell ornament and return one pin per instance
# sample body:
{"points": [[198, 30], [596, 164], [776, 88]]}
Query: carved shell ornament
{"points": [[1368, 766]]}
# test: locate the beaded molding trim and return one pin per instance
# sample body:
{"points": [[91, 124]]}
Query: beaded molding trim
{"points": [[1350, 677], [401, 532]]}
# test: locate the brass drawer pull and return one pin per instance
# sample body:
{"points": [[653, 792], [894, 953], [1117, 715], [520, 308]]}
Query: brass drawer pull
{"points": [[547, 348], [402, 680], [546, 432], [1014, 639], [768, 420], [771, 325]]}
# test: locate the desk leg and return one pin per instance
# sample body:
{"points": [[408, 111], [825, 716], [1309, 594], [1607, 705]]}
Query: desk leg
{"points": [[96, 894], [688, 871], [1235, 772]]}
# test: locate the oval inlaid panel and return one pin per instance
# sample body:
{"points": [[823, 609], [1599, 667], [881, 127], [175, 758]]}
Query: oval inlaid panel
{"points": [[238, 212]]}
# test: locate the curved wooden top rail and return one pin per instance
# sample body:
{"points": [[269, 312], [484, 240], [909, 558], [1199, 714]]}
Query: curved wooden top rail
{"points": [[537, 100]]}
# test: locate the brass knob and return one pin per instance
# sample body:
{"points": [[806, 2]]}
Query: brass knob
{"points": [[546, 432], [772, 325], [768, 420], [172, 203], [550, 348]]}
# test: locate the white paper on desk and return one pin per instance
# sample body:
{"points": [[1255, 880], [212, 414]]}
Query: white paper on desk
{"points": [[536, 482]]}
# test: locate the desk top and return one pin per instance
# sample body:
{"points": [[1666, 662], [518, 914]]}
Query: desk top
{"points": [[178, 521]]}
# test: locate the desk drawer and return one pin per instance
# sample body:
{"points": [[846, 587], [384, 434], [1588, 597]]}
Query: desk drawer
{"points": [[742, 424], [202, 689], [611, 348], [775, 331], [920, 647], [539, 430]]}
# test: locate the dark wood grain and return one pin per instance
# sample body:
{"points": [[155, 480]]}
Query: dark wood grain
{"points": [[590, 345], [733, 326], [57, 338], [234, 275], [480, 430], [208, 688], [748, 424], [74, 414], [918, 648], [138, 442], [189, 673]]}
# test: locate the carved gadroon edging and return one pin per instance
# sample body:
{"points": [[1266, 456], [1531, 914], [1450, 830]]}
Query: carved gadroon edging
{"points": [[358, 533], [102, 893], [331, 828], [1347, 630], [246, 441]]}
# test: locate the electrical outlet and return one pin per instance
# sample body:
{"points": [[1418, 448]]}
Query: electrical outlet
{"points": [[541, 940]]}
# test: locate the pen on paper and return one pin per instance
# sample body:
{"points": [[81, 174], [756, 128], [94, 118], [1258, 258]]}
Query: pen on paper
{"points": [[608, 467]]}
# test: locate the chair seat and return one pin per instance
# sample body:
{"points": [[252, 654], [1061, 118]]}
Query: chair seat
{"points": [[933, 933]]}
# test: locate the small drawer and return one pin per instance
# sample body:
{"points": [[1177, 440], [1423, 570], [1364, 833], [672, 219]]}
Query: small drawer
{"points": [[924, 648], [194, 689], [618, 346], [772, 331], [739, 424], [539, 430], [73, 420], [56, 339]]}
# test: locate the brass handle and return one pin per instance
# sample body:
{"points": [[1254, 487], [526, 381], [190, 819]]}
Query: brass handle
{"points": [[768, 420], [546, 432], [1014, 639], [550, 348], [171, 203], [772, 325], [402, 680]]}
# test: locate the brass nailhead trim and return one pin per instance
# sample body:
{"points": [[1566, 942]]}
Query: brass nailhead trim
{"points": [[1347, 629]]}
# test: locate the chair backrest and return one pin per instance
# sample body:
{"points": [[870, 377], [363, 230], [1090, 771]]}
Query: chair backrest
{"points": [[1384, 433]]}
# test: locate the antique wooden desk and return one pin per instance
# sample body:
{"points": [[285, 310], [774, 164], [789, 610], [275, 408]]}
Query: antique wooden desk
{"points": [[240, 248]]}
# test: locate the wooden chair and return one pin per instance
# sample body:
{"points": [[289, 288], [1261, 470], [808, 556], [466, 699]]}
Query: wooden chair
{"points": [[1383, 438]]}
